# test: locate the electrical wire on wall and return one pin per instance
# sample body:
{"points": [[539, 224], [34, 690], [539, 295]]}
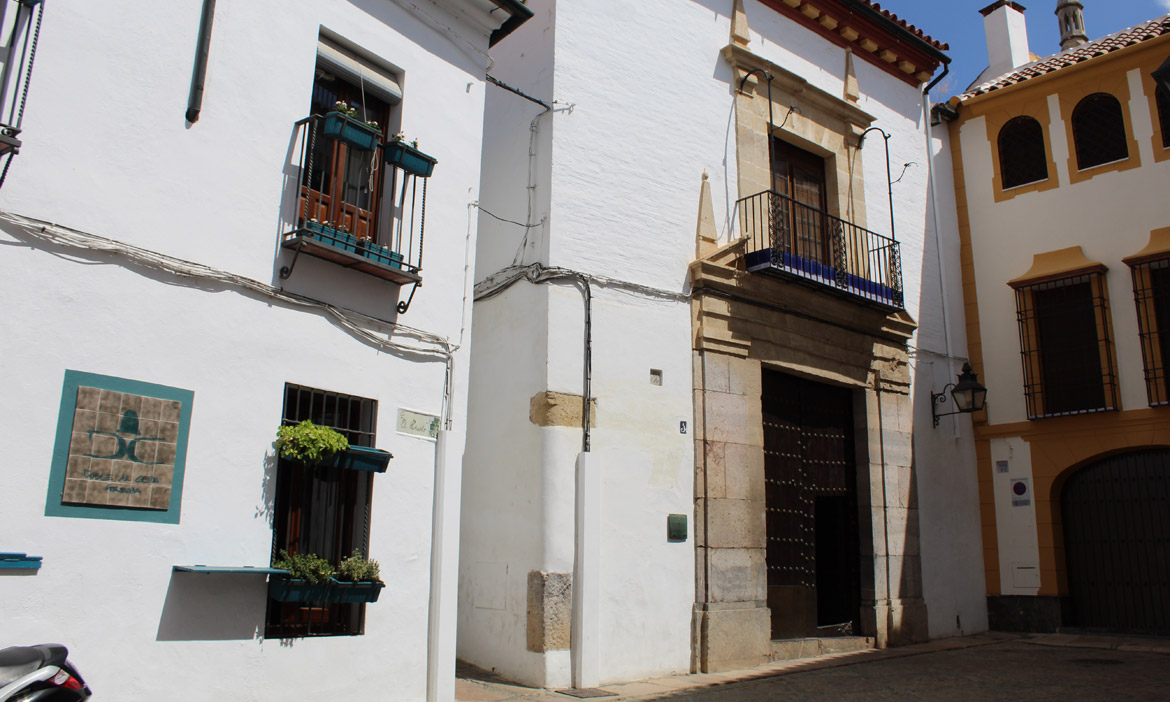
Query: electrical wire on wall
{"points": [[425, 344], [537, 273]]}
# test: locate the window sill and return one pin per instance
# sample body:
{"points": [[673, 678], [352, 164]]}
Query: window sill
{"points": [[1114, 162], [22, 561], [1010, 188], [228, 570], [1073, 413]]}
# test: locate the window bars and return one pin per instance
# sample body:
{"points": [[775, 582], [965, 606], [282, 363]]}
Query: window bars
{"points": [[1151, 293], [322, 510], [1065, 345], [1099, 131], [1022, 159]]}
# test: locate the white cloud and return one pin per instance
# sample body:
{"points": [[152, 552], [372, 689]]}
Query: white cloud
{"points": [[1165, 4]]}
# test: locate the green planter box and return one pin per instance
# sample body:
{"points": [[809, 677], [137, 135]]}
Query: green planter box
{"points": [[360, 458], [296, 590], [332, 236], [356, 592], [409, 159], [352, 132]]}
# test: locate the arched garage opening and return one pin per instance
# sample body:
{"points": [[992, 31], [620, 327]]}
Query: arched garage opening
{"points": [[1116, 518]]}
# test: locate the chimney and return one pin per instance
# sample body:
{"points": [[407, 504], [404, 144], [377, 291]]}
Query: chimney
{"points": [[1070, 14], [1007, 36]]}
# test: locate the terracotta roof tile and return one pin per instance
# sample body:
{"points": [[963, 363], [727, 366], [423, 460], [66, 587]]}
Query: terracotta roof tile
{"points": [[1098, 47], [941, 46]]}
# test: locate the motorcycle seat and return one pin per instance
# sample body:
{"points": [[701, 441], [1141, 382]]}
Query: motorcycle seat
{"points": [[18, 661]]}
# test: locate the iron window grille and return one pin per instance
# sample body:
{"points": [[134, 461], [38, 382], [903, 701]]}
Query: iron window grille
{"points": [[1099, 131], [1022, 158], [1162, 99], [1065, 345], [1151, 293], [322, 510]]}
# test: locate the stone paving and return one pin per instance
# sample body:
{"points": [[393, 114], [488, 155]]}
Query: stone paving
{"points": [[981, 667]]}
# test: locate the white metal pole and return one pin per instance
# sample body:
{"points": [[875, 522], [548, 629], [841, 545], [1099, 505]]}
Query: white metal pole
{"points": [[586, 644], [444, 574]]}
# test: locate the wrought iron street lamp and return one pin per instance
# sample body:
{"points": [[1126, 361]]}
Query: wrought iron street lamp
{"points": [[968, 394]]}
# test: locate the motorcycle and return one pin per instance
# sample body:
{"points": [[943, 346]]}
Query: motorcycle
{"points": [[40, 674]]}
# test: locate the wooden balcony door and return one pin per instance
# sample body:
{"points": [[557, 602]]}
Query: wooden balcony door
{"points": [[345, 184], [799, 175]]}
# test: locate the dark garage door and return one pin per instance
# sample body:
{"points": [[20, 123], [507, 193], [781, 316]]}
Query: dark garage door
{"points": [[1116, 515]]}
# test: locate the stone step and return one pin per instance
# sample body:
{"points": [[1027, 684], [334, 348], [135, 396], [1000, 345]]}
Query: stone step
{"points": [[812, 647]]}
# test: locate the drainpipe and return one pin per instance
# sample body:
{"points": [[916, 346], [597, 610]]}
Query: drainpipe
{"points": [[195, 99], [942, 275]]}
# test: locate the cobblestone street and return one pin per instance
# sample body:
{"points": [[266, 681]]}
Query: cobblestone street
{"points": [[984, 667]]}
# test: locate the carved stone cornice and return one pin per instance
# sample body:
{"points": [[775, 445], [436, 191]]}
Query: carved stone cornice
{"points": [[785, 81]]}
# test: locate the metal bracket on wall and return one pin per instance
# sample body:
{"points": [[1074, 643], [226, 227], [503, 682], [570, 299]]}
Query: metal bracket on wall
{"points": [[286, 271], [403, 306]]}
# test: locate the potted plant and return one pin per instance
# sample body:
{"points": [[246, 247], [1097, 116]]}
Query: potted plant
{"points": [[357, 580], [342, 123], [337, 237], [408, 157], [382, 254], [309, 579], [308, 443]]}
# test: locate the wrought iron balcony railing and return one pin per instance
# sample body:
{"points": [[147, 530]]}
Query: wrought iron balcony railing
{"points": [[359, 202], [793, 239]]}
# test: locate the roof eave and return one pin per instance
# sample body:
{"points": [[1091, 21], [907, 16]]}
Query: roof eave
{"points": [[518, 12], [895, 28]]}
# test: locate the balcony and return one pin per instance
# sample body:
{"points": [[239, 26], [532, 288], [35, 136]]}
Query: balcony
{"points": [[793, 240], [359, 202]]}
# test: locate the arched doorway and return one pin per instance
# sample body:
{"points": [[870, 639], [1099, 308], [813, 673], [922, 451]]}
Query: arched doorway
{"points": [[1116, 516]]}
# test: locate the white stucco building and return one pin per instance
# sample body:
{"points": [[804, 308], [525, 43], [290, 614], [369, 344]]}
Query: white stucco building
{"points": [[684, 226], [189, 259]]}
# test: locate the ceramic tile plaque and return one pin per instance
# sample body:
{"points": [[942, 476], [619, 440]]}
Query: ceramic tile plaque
{"points": [[418, 424], [121, 448]]}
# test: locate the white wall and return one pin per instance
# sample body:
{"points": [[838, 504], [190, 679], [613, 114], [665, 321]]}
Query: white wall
{"points": [[615, 191], [107, 151], [1098, 215], [946, 470]]}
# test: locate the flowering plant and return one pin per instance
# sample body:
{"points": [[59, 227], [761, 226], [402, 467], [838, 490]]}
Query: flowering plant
{"points": [[343, 107], [402, 137]]}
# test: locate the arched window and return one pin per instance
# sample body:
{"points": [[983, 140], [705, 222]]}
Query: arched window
{"points": [[1099, 131], [1021, 152]]}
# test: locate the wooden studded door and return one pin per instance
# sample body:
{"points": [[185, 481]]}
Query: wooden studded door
{"points": [[811, 507], [1116, 518]]}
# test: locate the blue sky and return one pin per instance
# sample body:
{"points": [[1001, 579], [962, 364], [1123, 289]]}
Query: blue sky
{"points": [[959, 23]]}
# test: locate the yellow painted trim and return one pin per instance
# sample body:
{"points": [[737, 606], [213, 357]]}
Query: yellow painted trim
{"points": [[1158, 247], [1112, 83], [1140, 55], [1059, 447], [1037, 109], [1161, 153], [1053, 265]]}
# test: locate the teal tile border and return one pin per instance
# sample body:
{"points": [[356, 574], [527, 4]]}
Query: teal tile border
{"points": [[75, 379]]}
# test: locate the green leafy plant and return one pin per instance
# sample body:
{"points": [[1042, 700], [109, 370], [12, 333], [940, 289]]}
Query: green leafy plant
{"points": [[304, 566], [308, 442], [357, 568]]}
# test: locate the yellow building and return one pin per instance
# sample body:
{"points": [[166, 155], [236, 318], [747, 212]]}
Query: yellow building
{"points": [[1062, 178]]}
